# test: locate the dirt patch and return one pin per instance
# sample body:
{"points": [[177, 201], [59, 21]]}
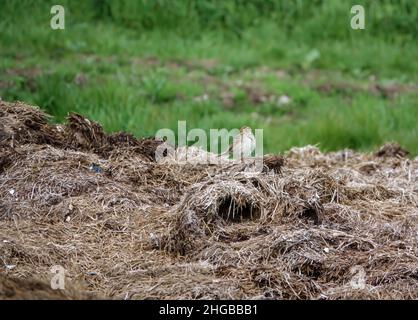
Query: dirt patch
{"points": [[347, 89], [125, 226], [206, 65], [25, 76]]}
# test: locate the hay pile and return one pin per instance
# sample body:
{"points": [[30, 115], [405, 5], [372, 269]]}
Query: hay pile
{"points": [[321, 226]]}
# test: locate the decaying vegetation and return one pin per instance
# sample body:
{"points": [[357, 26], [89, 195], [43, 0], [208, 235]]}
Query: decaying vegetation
{"points": [[126, 227]]}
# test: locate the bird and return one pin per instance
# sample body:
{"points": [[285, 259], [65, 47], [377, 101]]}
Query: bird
{"points": [[242, 145]]}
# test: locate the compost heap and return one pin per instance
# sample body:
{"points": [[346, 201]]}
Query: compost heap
{"points": [[341, 225]]}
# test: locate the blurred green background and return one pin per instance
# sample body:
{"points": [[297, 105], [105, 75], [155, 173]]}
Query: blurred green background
{"points": [[294, 68]]}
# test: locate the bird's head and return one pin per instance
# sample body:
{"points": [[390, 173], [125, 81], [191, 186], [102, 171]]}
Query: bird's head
{"points": [[245, 130]]}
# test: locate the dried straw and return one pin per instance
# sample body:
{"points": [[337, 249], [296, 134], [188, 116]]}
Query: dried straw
{"points": [[341, 225]]}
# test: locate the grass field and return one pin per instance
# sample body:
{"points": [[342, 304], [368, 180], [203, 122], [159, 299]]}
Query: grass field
{"points": [[141, 66]]}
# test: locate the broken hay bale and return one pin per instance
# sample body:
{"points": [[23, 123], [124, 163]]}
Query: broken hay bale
{"points": [[85, 134], [47, 181], [47, 175], [233, 201], [206, 205], [392, 149], [260, 199], [22, 124], [133, 228], [302, 194]]}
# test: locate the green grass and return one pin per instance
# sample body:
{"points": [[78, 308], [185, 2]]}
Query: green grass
{"points": [[144, 65]]}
